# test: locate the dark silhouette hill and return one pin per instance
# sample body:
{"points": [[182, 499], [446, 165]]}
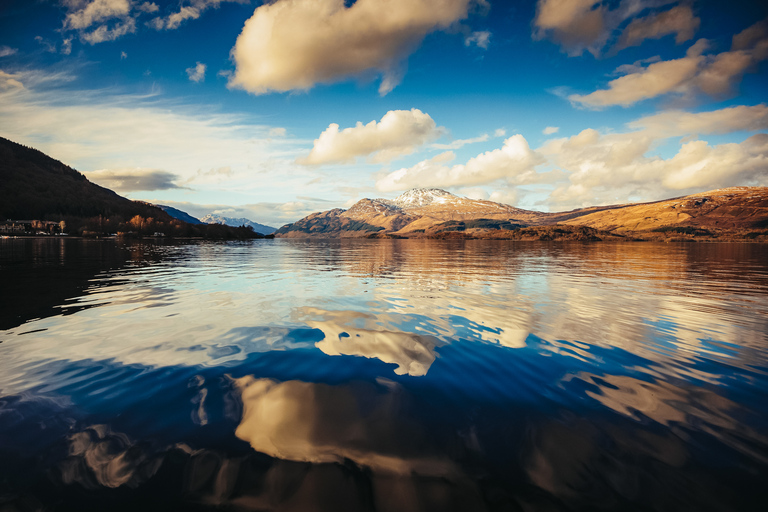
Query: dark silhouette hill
{"points": [[34, 186]]}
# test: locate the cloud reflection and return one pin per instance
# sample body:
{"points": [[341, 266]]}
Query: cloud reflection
{"points": [[355, 333]]}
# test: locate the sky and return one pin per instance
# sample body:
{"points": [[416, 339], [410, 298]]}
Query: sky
{"points": [[274, 110]]}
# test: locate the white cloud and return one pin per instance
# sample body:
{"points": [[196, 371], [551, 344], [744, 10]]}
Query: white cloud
{"points": [[459, 143], [148, 7], [6, 50], [123, 55], [695, 73], [514, 162], [726, 120], [277, 132], [400, 132], [579, 25], [481, 39], [104, 33], [679, 21], [549, 130], [500, 132], [96, 11], [610, 168], [66, 46], [197, 72], [294, 44]]}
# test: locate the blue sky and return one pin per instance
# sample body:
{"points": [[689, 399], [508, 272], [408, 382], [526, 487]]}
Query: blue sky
{"points": [[275, 110]]}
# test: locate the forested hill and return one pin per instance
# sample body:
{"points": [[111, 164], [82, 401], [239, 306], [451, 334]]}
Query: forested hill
{"points": [[34, 186]]}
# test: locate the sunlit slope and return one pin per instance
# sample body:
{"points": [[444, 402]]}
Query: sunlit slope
{"points": [[727, 208], [435, 212]]}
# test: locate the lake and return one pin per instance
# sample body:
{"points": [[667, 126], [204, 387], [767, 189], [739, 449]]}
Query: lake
{"points": [[386, 375]]}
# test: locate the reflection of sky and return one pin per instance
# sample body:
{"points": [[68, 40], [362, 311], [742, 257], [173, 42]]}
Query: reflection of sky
{"points": [[417, 361], [213, 304]]}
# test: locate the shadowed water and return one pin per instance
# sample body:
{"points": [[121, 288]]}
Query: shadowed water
{"points": [[387, 375]]}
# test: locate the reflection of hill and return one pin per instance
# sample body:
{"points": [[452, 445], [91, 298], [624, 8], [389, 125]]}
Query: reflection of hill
{"points": [[40, 275]]}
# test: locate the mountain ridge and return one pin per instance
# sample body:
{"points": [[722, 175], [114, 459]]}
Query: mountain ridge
{"points": [[436, 213]]}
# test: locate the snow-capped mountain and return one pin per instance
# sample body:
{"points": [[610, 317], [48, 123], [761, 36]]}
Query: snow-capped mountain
{"points": [[230, 221], [429, 212], [424, 197]]}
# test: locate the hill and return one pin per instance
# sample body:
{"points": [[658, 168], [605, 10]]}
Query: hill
{"points": [[34, 186], [733, 213]]}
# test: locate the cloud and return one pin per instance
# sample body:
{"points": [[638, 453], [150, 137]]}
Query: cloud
{"points": [[515, 162], [610, 168], [277, 132], [123, 55], [5, 51], [10, 81], [104, 33], [480, 39], [129, 180], [400, 132], [459, 143], [99, 129], [726, 120], [66, 46], [192, 11], [500, 132], [294, 44], [579, 25], [714, 75], [678, 20], [549, 130], [197, 72], [94, 12]]}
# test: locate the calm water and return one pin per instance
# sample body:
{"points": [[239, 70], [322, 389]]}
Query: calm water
{"points": [[387, 375]]}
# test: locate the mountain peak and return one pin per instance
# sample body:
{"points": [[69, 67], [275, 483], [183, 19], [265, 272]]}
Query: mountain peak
{"points": [[423, 197]]}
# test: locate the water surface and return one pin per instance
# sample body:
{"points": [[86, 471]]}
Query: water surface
{"points": [[383, 375]]}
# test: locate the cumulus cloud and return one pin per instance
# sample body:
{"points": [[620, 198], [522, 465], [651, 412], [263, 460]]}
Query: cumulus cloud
{"points": [[400, 132], [549, 130], [609, 168], [197, 72], [500, 132], [714, 75], [6, 50], [579, 25], [294, 44], [678, 20], [514, 162], [129, 180]]}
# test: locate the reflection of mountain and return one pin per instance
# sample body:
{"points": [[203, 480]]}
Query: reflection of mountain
{"points": [[422, 213]]}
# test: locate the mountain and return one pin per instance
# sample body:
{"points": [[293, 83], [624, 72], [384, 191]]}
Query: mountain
{"points": [[178, 214], [435, 213], [230, 221]]}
